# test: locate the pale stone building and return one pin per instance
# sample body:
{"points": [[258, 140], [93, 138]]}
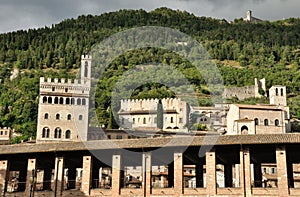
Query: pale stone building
{"points": [[142, 114], [64, 106], [260, 119], [250, 18], [5, 135]]}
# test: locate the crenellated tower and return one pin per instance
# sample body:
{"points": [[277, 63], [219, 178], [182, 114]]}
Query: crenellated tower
{"points": [[64, 106]]}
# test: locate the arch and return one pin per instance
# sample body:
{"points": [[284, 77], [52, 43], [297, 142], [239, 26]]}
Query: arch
{"points": [[56, 100], [45, 132], [83, 101], [276, 91], [68, 134], [281, 92], [46, 116], [50, 100], [169, 128], [72, 101], [78, 101], [276, 122], [68, 101], [176, 128], [144, 120], [57, 132], [80, 117], [57, 116], [61, 100], [244, 128], [69, 117], [266, 122], [256, 121], [44, 99]]}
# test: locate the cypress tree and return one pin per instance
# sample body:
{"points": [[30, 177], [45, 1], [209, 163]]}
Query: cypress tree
{"points": [[160, 115]]}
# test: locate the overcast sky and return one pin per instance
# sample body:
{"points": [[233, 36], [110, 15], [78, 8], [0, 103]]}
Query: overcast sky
{"points": [[24, 14]]}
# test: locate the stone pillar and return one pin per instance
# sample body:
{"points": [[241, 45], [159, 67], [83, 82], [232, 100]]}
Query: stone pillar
{"points": [[147, 174], [178, 173], [116, 175], [59, 176], [86, 180], [31, 174], [228, 175], [245, 172], [3, 176], [282, 177], [211, 182], [199, 175]]}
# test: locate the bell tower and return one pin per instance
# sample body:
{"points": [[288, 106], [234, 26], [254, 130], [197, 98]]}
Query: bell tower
{"points": [[278, 95]]}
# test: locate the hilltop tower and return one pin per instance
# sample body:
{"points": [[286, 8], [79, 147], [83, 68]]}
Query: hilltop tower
{"points": [[64, 106]]}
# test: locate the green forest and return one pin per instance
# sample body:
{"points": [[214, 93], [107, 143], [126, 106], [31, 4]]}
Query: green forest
{"points": [[241, 50]]}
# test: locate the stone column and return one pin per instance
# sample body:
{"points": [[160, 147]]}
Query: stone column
{"points": [[178, 173], [3, 176], [228, 175], [199, 175], [31, 176], [116, 175], [86, 180], [59, 176], [282, 177], [245, 172], [147, 174], [211, 182]]}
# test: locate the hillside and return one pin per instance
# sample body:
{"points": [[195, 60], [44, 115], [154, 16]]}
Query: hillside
{"points": [[242, 51]]}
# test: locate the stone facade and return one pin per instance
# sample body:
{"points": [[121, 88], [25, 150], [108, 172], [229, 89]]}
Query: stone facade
{"points": [[141, 114], [64, 106], [5, 135], [250, 18]]}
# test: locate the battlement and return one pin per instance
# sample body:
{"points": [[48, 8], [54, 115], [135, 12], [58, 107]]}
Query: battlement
{"points": [[86, 57], [5, 128], [62, 81], [150, 104]]}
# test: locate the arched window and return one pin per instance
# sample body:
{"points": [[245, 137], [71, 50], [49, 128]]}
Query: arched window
{"points": [[46, 116], [276, 91], [57, 116], [46, 132], [144, 121], [172, 120], [68, 134], [78, 101], [68, 101], [133, 120], [276, 122], [69, 117], [244, 129], [80, 117], [281, 92], [83, 102], [256, 121], [86, 66], [72, 101], [57, 133], [56, 100], [266, 122], [66, 90], [44, 99], [50, 100], [61, 100]]}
